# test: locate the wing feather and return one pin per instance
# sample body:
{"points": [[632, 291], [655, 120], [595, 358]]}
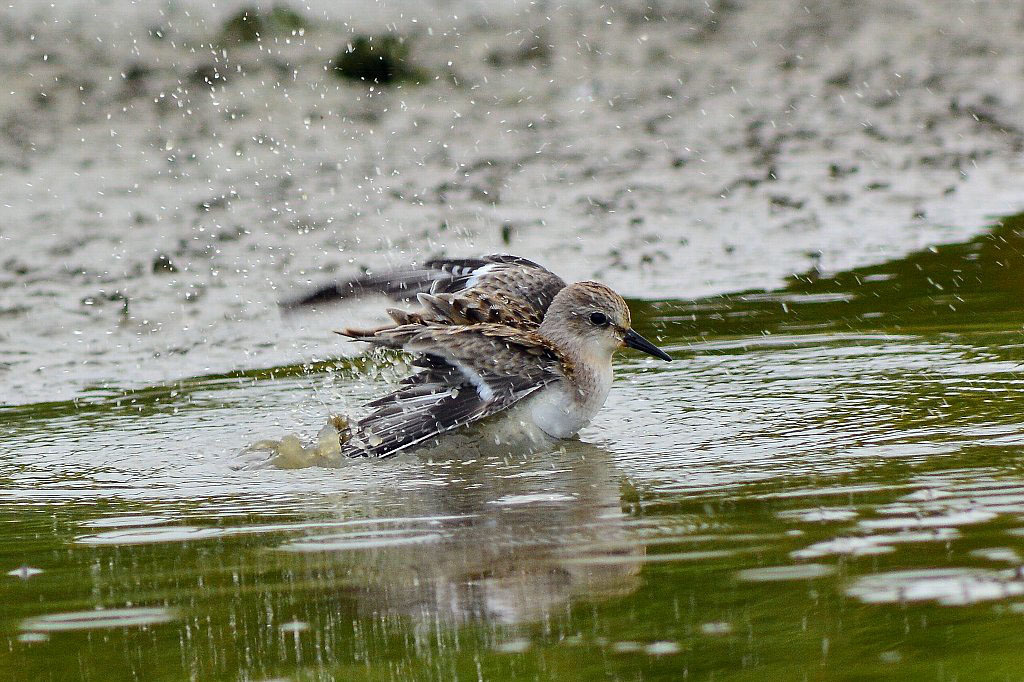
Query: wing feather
{"points": [[471, 373], [500, 289]]}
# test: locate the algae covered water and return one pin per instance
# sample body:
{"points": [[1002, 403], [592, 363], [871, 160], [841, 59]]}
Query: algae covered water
{"points": [[827, 484]]}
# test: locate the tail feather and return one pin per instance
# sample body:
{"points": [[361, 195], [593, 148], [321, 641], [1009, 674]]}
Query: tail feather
{"points": [[402, 284], [360, 334], [389, 336], [440, 275], [405, 317], [439, 306]]}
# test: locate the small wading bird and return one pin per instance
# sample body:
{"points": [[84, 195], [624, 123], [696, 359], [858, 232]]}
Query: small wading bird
{"points": [[498, 336]]}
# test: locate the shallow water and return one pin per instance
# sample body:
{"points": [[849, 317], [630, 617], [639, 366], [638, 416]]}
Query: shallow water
{"points": [[828, 483]]}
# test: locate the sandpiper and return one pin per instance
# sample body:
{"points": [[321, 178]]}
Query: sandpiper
{"points": [[500, 337]]}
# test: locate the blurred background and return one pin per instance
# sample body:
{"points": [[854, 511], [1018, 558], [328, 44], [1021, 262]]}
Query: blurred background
{"points": [[171, 170]]}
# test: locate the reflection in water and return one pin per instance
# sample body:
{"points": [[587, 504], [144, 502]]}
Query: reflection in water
{"points": [[487, 540], [490, 543], [950, 587], [797, 572], [102, 618]]}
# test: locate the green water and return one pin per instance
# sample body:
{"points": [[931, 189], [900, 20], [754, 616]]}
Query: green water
{"points": [[827, 485]]}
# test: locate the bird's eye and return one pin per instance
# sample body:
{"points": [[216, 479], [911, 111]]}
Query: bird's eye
{"points": [[598, 319]]}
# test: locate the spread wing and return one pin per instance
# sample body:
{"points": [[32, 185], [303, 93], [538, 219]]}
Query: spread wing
{"points": [[498, 289], [468, 373]]}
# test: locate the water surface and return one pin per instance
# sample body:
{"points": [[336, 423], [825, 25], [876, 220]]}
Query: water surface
{"points": [[827, 484]]}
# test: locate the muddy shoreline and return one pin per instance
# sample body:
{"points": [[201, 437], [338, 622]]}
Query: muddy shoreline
{"points": [[164, 188]]}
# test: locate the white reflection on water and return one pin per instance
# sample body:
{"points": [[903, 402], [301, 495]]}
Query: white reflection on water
{"points": [[821, 515], [1000, 554], [768, 574], [144, 535], [958, 518], [949, 587], [368, 540], [873, 544], [128, 521], [100, 618]]}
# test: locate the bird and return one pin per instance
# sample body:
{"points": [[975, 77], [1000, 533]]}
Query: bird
{"points": [[498, 340]]}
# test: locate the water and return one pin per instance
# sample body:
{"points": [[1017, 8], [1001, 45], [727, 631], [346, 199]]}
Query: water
{"points": [[827, 483]]}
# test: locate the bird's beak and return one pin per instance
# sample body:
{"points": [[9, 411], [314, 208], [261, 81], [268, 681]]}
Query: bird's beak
{"points": [[634, 340]]}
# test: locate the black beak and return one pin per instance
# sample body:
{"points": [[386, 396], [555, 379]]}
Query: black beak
{"points": [[634, 340]]}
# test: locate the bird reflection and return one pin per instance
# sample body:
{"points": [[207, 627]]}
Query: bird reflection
{"points": [[492, 539]]}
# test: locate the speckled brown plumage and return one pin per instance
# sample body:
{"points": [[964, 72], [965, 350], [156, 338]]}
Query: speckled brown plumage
{"points": [[490, 333], [499, 288]]}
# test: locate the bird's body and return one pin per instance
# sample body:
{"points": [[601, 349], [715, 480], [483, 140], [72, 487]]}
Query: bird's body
{"points": [[495, 336]]}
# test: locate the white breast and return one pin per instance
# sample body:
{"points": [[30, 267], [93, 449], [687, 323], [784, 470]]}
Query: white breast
{"points": [[561, 414]]}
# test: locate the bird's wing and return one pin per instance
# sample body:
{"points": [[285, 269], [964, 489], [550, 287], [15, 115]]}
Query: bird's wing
{"points": [[499, 288], [400, 284], [469, 373]]}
